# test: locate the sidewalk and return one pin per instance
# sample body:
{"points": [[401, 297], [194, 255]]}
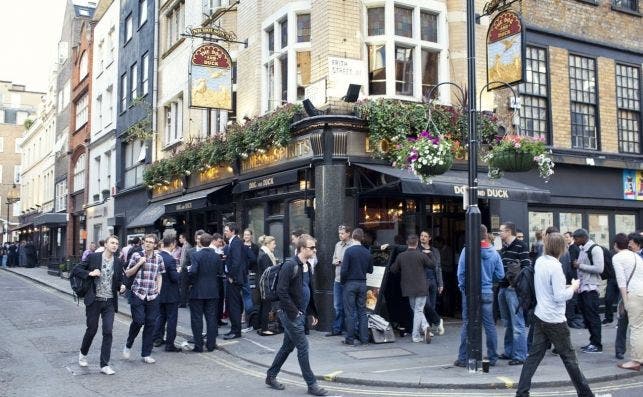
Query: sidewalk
{"points": [[399, 364]]}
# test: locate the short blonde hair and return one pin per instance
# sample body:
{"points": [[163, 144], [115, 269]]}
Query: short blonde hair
{"points": [[555, 245], [265, 240]]}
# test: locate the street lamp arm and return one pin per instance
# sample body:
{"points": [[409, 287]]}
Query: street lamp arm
{"points": [[430, 95]]}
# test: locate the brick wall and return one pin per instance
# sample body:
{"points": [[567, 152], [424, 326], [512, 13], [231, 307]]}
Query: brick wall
{"points": [[559, 78], [607, 103]]}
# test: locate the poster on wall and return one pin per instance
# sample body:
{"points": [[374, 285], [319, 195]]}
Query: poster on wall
{"points": [[633, 185], [211, 78], [505, 50]]}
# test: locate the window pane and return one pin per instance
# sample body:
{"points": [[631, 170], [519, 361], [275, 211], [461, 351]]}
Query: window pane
{"points": [[376, 70], [624, 223], [403, 22], [256, 220], [429, 26], [429, 72], [271, 86], [303, 73], [569, 221], [376, 21], [629, 108], [403, 71], [303, 28], [583, 126], [284, 79], [271, 41], [297, 216], [284, 33], [599, 229], [539, 221]]}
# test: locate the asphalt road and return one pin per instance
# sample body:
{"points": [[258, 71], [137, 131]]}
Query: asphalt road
{"points": [[40, 334]]}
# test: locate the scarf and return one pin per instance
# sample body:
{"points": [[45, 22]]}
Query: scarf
{"points": [[270, 254]]}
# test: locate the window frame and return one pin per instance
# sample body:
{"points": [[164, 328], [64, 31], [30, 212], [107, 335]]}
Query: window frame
{"points": [[128, 29], [524, 93], [620, 109], [81, 111], [145, 74], [131, 163], [588, 104], [133, 83], [124, 93], [83, 67], [79, 173], [142, 12]]}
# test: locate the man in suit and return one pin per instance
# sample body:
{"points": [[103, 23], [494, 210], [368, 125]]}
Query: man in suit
{"points": [[183, 287], [204, 273], [101, 300], [237, 265], [168, 298]]}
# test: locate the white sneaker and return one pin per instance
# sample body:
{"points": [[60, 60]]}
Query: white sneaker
{"points": [[107, 370], [126, 352], [441, 327], [82, 360], [148, 360], [246, 330]]}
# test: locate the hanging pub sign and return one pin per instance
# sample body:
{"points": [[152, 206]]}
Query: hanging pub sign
{"points": [[211, 78], [505, 50]]}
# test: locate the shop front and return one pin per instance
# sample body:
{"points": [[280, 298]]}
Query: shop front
{"points": [[50, 242]]}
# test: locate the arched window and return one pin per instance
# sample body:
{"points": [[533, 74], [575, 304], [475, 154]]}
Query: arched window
{"points": [[79, 173], [83, 66]]}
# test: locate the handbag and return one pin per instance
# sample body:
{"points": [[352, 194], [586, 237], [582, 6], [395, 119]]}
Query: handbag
{"points": [[620, 308]]}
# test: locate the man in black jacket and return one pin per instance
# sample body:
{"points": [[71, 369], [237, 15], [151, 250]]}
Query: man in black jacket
{"points": [[237, 268], [357, 262], [106, 271], [184, 288], [293, 289], [168, 298], [204, 273]]}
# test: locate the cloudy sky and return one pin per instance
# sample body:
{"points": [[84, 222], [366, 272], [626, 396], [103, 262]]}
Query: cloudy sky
{"points": [[29, 32]]}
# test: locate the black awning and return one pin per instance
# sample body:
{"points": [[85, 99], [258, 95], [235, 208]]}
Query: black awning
{"points": [[454, 182], [148, 216], [50, 218], [191, 201]]}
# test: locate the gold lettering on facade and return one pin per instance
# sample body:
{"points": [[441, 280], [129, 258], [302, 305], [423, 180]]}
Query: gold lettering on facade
{"points": [[297, 149]]}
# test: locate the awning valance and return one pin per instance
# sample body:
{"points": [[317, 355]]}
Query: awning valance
{"points": [[50, 218]]}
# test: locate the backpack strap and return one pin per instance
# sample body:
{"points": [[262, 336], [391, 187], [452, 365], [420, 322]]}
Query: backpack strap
{"points": [[589, 254]]}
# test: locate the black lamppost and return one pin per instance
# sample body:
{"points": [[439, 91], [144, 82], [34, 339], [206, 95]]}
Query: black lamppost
{"points": [[13, 196]]}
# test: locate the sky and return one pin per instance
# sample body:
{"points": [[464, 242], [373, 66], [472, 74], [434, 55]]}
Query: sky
{"points": [[30, 30]]}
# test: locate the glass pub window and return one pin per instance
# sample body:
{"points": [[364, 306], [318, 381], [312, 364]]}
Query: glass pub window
{"points": [[582, 87], [403, 70], [376, 21], [429, 71], [533, 115], [629, 108], [303, 28], [403, 22], [284, 33], [429, 26], [377, 69]]}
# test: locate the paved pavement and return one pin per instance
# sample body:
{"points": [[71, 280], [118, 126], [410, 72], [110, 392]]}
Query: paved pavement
{"points": [[399, 364]]}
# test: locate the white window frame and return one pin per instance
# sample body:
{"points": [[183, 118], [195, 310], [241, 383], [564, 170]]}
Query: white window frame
{"points": [[274, 21], [82, 66], [173, 116], [145, 76], [174, 24], [79, 173], [17, 169], [123, 91], [109, 99], [61, 195], [142, 12], [82, 111], [389, 40], [1, 144], [1, 171], [133, 82], [129, 28], [98, 108]]}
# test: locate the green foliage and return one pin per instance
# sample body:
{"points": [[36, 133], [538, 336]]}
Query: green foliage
{"points": [[142, 129]]}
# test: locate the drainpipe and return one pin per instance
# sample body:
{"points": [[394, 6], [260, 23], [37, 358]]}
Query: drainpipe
{"points": [[152, 149]]}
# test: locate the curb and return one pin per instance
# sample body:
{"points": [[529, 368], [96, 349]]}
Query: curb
{"points": [[384, 383]]}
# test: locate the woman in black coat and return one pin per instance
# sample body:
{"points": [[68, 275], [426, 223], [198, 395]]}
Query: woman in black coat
{"points": [[266, 259]]}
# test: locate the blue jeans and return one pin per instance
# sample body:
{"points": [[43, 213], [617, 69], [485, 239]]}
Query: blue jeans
{"points": [[338, 304], [247, 299], [355, 306], [293, 337], [144, 314], [514, 321], [486, 309]]}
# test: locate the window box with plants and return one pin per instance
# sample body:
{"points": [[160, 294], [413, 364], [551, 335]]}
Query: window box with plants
{"points": [[519, 153]]}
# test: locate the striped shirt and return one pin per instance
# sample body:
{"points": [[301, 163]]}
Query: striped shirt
{"points": [[516, 250], [144, 285]]}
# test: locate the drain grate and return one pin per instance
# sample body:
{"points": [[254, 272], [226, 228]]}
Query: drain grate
{"points": [[380, 353]]}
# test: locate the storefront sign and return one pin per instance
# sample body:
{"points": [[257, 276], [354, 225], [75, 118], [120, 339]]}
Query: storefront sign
{"points": [[175, 186], [491, 193], [296, 150], [505, 49], [282, 178], [214, 31], [342, 72], [633, 185], [211, 174], [211, 78]]}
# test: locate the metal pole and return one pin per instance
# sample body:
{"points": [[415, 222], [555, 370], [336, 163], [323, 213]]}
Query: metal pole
{"points": [[474, 329]]}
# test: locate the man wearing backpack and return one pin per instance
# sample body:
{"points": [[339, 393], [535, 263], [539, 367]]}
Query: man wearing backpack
{"points": [[589, 275], [515, 256], [101, 300]]}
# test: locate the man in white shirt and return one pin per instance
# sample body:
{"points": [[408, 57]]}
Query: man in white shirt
{"points": [[344, 242]]}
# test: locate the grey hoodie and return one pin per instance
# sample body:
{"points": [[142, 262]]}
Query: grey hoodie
{"points": [[588, 275]]}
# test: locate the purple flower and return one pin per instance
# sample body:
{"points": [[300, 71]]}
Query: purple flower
{"points": [[425, 134]]}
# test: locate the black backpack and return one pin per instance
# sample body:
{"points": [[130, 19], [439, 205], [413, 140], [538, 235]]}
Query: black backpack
{"points": [[80, 286], [525, 290], [268, 282], [512, 271], [608, 268]]}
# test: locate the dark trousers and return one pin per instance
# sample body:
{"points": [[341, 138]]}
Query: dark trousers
{"points": [[294, 337], [432, 315], [168, 315], [235, 306], [221, 301], [574, 318], [184, 287], [105, 310], [144, 314], [588, 303], [355, 308], [612, 294], [558, 335], [198, 309], [264, 314], [620, 346]]}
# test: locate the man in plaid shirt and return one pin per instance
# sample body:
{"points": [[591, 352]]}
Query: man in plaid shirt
{"points": [[146, 267]]}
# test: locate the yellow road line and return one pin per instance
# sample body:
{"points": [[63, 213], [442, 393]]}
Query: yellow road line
{"points": [[331, 376], [509, 383]]}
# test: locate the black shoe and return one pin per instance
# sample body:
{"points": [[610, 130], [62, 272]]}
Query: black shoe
{"points": [[183, 305], [348, 342], [197, 350], [222, 323], [211, 349], [334, 333], [272, 382], [158, 342], [607, 321], [516, 362], [591, 349], [190, 341], [503, 356], [555, 352], [173, 349], [460, 364], [619, 356], [315, 390], [231, 336]]}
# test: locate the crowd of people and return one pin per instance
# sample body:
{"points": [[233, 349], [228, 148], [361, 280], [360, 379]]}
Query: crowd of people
{"points": [[23, 254]]}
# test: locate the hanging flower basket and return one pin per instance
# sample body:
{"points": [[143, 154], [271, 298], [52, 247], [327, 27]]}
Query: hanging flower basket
{"points": [[512, 161], [518, 153], [425, 155]]}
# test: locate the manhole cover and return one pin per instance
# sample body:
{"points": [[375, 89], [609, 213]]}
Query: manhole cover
{"points": [[381, 353]]}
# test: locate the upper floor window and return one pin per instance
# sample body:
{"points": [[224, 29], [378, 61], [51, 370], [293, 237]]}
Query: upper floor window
{"points": [[61, 195], [142, 12], [128, 28], [628, 104], [214, 121], [406, 60], [534, 94], [79, 173], [134, 153], [303, 28], [133, 82], [173, 121], [631, 5], [208, 7], [81, 111], [123, 90], [174, 24], [145, 75], [582, 88], [82, 68]]}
